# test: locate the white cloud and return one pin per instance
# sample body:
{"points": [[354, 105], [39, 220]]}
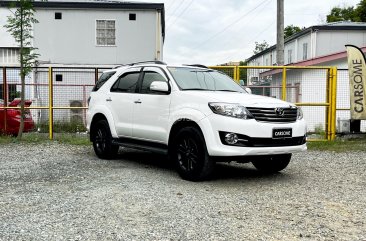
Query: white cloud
{"points": [[212, 32]]}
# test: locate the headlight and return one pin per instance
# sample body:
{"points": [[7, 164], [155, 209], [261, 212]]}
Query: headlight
{"points": [[232, 110], [299, 113]]}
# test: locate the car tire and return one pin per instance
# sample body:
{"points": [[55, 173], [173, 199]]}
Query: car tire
{"points": [[190, 155], [102, 141], [272, 164]]}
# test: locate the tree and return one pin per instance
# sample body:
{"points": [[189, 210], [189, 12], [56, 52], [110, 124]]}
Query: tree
{"points": [[259, 47], [19, 25], [342, 14], [360, 11], [291, 30]]}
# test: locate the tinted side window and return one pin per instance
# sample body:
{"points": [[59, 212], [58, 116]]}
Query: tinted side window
{"points": [[102, 79], [150, 77], [126, 83]]}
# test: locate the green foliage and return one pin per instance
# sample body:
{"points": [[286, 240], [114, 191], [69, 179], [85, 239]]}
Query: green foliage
{"points": [[340, 145], [291, 30], [360, 11], [62, 127], [20, 26], [259, 47], [345, 13], [38, 138]]}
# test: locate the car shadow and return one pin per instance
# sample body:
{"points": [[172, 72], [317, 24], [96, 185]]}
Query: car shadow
{"points": [[223, 170]]}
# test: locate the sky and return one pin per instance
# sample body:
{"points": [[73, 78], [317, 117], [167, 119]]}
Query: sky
{"points": [[214, 32]]}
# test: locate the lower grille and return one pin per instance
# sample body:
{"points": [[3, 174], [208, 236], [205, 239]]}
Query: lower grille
{"points": [[274, 114], [264, 142]]}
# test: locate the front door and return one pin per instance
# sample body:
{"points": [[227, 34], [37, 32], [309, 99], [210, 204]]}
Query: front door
{"points": [[121, 100], [151, 114]]}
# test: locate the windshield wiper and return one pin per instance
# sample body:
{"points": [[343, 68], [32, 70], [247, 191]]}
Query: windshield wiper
{"points": [[196, 89], [230, 91]]}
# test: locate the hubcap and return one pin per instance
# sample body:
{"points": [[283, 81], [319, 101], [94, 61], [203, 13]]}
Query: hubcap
{"points": [[100, 140], [187, 152]]}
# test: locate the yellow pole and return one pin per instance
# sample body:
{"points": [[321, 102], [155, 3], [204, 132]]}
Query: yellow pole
{"points": [[238, 73], [50, 102], [284, 83], [334, 103], [234, 74], [329, 108]]}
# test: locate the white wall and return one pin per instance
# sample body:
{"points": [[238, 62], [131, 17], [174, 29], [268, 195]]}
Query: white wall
{"points": [[72, 40], [329, 42], [6, 40]]}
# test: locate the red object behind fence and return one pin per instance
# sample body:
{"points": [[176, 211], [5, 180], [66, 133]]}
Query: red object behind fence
{"points": [[10, 118]]}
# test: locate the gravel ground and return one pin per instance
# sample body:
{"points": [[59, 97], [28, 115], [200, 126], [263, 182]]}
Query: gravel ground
{"points": [[63, 192]]}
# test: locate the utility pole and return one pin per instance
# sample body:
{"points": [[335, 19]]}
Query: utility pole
{"points": [[280, 34]]}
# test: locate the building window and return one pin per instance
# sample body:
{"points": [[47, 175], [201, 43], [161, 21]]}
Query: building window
{"points": [[289, 56], [106, 33], [58, 15], [132, 17], [9, 55], [58, 77], [304, 51]]}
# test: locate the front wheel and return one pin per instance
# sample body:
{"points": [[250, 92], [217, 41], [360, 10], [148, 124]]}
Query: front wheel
{"points": [[102, 140], [272, 164], [190, 155]]}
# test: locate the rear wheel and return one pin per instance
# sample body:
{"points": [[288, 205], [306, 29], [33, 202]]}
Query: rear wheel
{"points": [[190, 155], [272, 164], [102, 141]]}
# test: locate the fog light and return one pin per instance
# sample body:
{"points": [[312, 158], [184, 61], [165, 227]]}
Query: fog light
{"points": [[231, 138]]}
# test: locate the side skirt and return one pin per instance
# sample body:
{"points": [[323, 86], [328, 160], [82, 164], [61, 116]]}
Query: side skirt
{"points": [[141, 145]]}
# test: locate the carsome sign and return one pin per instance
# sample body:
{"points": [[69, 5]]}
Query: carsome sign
{"points": [[357, 82]]}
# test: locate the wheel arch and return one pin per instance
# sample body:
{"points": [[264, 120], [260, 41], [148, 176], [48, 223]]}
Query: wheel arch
{"points": [[178, 125], [97, 117]]}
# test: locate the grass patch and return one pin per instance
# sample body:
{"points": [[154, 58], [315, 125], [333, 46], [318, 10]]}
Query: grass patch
{"points": [[34, 138], [339, 145]]}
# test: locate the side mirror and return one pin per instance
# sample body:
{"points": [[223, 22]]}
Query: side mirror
{"points": [[159, 86], [247, 89]]}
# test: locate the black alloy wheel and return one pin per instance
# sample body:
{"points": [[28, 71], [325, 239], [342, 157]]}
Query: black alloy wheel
{"points": [[190, 155], [102, 141]]}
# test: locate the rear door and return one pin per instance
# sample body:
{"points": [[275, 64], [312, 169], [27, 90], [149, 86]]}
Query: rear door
{"points": [[121, 101], [151, 114]]}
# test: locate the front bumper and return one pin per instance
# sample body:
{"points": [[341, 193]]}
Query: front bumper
{"points": [[213, 124]]}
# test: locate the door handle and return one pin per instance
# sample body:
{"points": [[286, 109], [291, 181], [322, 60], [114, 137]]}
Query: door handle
{"points": [[108, 99], [137, 101]]}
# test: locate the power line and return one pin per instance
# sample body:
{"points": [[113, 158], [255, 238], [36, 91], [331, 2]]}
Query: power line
{"points": [[176, 8], [255, 37], [231, 24], [187, 6], [171, 5]]}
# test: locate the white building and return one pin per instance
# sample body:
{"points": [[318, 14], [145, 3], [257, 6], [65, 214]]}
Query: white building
{"points": [[321, 45], [90, 33], [78, 35]]}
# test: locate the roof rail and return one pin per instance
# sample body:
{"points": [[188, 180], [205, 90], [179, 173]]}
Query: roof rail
{"points": [[147, 62], [142, 62], [197, 65]]}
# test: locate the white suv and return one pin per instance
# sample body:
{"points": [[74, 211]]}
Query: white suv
{"points": [[195, 114]]}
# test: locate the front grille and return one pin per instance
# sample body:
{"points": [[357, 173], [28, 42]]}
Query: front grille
{"points": [[274, 114]]}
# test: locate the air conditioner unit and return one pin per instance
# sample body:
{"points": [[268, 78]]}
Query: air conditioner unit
{"points": [[254, 80], [343, 126], [76, 115]]}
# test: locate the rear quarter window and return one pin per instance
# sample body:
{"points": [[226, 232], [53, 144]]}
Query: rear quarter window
{"points": [[102, 79]]}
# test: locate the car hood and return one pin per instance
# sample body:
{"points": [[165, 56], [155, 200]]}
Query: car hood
{"points": [[248, 100]]}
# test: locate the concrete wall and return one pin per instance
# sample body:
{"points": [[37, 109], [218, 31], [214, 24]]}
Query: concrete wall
{"points": [[72, 39], [6, 40]]}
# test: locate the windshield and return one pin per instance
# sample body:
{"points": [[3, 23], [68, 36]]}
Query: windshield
{"points": [[203, 79]]}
